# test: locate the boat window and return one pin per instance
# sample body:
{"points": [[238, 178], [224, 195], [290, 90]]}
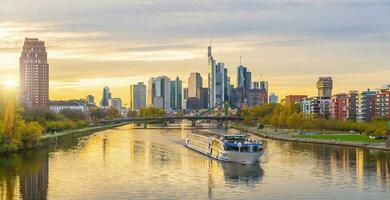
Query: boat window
{"points": [[244, 149]]}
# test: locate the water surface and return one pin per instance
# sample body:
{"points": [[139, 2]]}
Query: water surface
{"points": [[128, 163]]}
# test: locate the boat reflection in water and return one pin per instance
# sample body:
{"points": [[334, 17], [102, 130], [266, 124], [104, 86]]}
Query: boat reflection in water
{"points": [[242, 174]]}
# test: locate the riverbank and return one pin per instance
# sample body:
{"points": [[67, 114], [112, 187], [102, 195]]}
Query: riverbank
{"points": [[288, 135], [49, 138]]}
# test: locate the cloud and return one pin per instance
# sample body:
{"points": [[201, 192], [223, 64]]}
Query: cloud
{"points": [[92, 40]]}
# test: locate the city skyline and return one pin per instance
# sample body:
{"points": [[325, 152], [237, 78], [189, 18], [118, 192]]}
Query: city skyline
{"points": [[85, 56]]}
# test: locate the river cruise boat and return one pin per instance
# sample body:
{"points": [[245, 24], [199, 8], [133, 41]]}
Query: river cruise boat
{"points": [[225, 147]]}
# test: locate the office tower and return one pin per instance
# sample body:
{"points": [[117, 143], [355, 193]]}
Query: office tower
{"points": [[185, 97], [226, 88], [241, 76], [244, 80], [273, 98], [106, 97], [256, 97], [255, 85], [116, 103], [325, 86], [90, 100], [215, 81], [137, 96], [204, 97], [150, 91], [34, 74], [159, 91], [176, 94], [194, 83], [264, 85]]}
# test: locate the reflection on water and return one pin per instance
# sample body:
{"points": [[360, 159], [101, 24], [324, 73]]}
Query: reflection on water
{"points": [[131, 163], [24, 176]]}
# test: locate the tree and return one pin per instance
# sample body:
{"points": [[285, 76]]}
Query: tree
{"points": [[73, 114], [30, 134], [112, 113], [97, 114], [132, 114], [151, 112]]}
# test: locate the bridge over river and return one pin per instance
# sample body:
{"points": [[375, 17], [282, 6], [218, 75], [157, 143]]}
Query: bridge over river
{"points": [[166, 119]]}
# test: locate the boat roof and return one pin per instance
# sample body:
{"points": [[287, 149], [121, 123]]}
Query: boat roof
{"points": [[208, 133]]}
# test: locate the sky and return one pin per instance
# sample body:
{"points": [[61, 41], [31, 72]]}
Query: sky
{"points": [[115, 43]]}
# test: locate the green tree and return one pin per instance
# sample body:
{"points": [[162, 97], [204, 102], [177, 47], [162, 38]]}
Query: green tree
{"points": [[151, 112], [132, 114], [73, 114], [112, 113], [97, 114]]}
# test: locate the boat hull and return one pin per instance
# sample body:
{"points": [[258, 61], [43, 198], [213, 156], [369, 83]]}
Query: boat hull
{"points": [[230, 156]]}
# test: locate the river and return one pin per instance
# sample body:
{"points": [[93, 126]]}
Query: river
{"points": [[134, 163]]}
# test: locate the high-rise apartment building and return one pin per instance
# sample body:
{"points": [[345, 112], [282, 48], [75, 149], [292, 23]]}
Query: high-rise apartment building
{"points": [[137, 96], [34, 74], [176, 94], [316, 105], [366, 105], [106, 97], [159, 92], [382, 105], [325, 86], [351, 105], [216, 81], [338, 107]]}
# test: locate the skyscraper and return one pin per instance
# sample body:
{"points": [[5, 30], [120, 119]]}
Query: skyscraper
{"points": [[137, 96], [106, 97], [159, 91], [116, 103], [264, 85], [325, 86], [176, 94], [34, 73], [244, 80], [194, 84], [216, 81]]}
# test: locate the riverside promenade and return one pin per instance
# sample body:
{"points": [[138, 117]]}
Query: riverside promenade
{"points": [[288, 135], [48, 138]]}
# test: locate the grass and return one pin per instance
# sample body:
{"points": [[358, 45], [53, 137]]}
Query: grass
{"points": [[341, 137]]}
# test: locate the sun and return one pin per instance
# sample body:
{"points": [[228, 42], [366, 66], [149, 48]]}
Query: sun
{"points": [[8, 84]]}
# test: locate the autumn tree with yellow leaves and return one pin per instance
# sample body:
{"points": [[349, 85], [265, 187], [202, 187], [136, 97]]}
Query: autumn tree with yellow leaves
{"points": [[15, 133]]}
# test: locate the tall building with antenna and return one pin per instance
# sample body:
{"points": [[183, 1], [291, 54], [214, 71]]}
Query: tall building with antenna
{"points": [[216, 80]]}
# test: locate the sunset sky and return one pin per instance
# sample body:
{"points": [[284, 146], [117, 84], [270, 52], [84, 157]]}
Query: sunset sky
{"points": [[92, 44]]}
